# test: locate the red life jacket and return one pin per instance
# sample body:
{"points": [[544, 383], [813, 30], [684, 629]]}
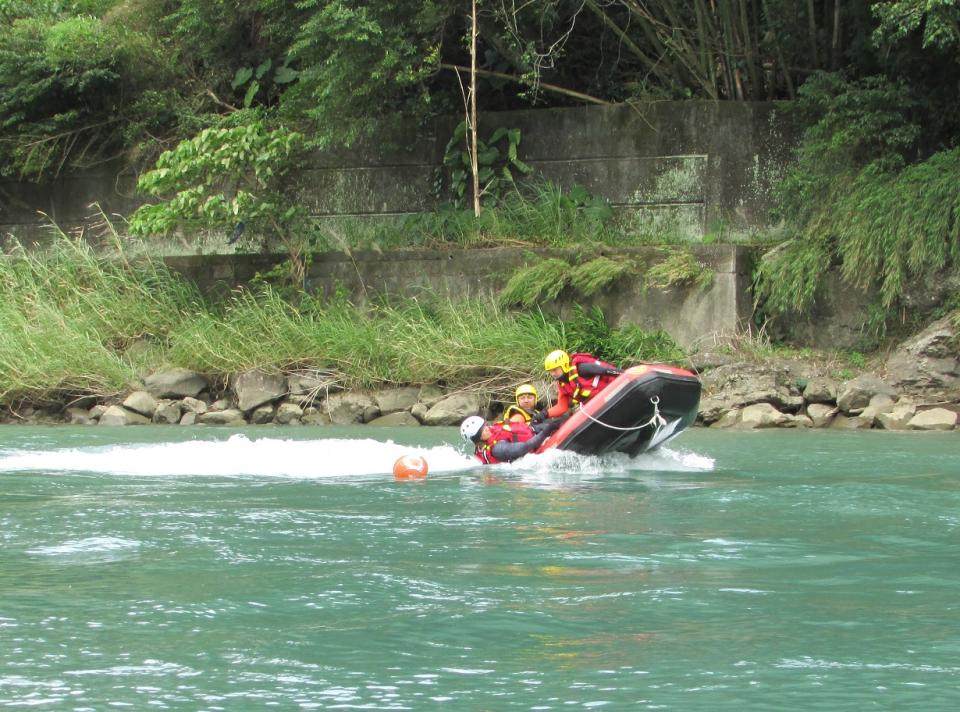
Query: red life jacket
{"points": [[579, 389], [499, 432]]}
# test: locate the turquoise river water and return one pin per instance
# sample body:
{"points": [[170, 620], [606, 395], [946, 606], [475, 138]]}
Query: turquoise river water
{"points": [[210, 569]]}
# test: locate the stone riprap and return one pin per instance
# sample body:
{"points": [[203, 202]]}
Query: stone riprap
{"points": [[736, 394], [917, 388]]}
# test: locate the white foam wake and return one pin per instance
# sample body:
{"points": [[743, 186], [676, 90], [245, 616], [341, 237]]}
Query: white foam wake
{"points": [[661, 460], [239, 455], [329, 458], [563, 468]]}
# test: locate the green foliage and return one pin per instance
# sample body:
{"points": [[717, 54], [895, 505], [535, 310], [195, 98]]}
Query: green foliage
{"points": [[538, 213], [495, 168], [73, 74], [68, 316], [589, 332], [843, 374], [392, 45], [679, 267], [857, 359], [69, 88], [788, 278], [217, 161], [255, 78], [599, 273], [540, 282], [877, 243], [937, 20], [232, 180], [544, 280], [844, 202], [219, 38], [220, 177], [544, 213], [883, 245], [852, 126]]}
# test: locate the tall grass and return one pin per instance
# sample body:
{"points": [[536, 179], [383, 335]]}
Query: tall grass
{"points": [[74, 323], [536, 213], [892, 230], [67, 318], [544, 279], [680, 267], [407, 341], [540, 282], [885, 231]]}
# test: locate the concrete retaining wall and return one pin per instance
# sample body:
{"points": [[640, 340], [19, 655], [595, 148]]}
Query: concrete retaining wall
{"points": [[690, 315], [677, 169], [681, 168]]}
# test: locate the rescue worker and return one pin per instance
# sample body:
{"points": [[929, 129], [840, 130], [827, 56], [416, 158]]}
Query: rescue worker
{"points": [[505, 442], [579, 377], [525, 409]]}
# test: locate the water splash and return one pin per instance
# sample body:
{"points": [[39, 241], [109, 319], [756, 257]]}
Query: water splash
{"points": [[561, 468], [661, 460], [239, 455], [326, 459]]}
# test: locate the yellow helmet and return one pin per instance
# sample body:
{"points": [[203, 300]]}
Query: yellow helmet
{"points": [[524, 389], [557, 359]]}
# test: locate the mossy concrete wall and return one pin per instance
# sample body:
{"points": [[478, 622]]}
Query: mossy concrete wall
{"points": [[677, 169], [693, 316]]}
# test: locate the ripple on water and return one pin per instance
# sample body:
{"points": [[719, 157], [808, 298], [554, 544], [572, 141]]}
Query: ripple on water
{"points": [[95, 549]]}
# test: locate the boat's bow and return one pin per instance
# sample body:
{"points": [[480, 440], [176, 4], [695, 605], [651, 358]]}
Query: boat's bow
{"points": [[644, 407]]}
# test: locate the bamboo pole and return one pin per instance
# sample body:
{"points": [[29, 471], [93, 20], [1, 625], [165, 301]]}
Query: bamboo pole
{"points": [[749, 51], [791, 91], [653, 66], [835, 43], [661, 34], [814, 55], [474, 168]]}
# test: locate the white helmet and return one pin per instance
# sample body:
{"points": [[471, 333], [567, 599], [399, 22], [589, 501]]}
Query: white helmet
{"points": [[471, 427]]}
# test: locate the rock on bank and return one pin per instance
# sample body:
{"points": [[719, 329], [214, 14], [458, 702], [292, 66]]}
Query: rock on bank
{"points": [[917, 388]]}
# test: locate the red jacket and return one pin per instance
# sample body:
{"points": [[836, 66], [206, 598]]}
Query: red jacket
{"points": [[576, 389], [502, 432]]}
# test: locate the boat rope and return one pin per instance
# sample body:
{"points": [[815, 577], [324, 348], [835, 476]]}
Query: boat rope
{"points": [[656, 419]]}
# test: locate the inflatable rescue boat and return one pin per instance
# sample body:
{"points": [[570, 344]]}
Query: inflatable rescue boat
{"points": [[641, 409]]}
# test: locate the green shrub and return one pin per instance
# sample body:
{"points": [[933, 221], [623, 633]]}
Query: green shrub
{"points": [[853, 201], [540, 282], [877, 243], [589, 332], [69, 91], [680, 267], [598, 274], [788, 278]]}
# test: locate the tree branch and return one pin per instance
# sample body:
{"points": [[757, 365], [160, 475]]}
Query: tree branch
{"points": [[220, 102], [548, 87]]}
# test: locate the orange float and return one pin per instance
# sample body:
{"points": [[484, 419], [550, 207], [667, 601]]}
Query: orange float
{"points": [[410, 467]]}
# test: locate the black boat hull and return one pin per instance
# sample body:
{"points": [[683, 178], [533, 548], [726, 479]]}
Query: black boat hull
{"points": [[643, 408]]}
